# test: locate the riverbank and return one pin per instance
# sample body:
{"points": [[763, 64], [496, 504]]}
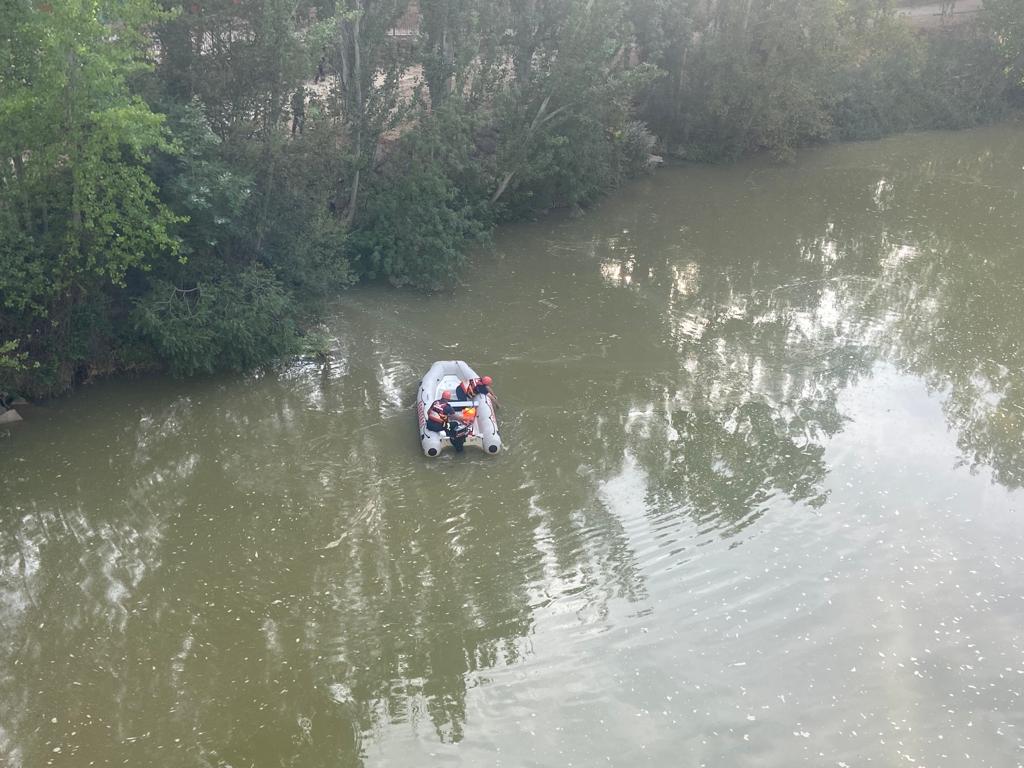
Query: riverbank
{"points": [[241, 232]]}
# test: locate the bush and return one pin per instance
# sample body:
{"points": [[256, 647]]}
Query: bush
{"points": [[12, 363], [416, 219], [413, 229], [229, 323], [570, 166], [910, 82], [634, 145]]}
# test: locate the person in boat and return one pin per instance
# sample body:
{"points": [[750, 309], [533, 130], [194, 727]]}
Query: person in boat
{"points": [[439, 412], [470, 388], [460, 427]]}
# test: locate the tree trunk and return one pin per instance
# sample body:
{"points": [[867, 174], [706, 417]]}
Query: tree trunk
{"points": [[539, 119], [73, 152], [355, 78], [353, 198], [501, 187], [525, 42]]}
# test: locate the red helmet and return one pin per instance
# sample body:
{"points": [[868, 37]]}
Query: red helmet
{"points": [[486, 381], [446, 395]]}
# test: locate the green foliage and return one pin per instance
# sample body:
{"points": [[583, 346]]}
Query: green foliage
{"points": [[11, 361], [634, 145], [160, 213], [24, 281], [81, 143], [573, 95], [78, 207], [449, 28], [235, 322], [320, 265], [416, 219], [13, 367], [909, 82], [117, 220], [200, 182], [1004, 21], [568, 164], [296, 233], [760, 76], [246, 69], [754, 79]]}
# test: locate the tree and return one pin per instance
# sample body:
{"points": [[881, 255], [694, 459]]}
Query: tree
{"points": [[242, 61], [10, 359], [570, 101], [78, 206], [423, 206], [1005, 19], [367, 95]]}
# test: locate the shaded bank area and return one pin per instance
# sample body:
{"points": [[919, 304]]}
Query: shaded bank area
{"points": [[172, 198], [760, 501]]}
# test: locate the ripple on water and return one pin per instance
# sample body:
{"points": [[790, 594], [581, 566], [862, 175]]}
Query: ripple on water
{"points": [[759, 503]]}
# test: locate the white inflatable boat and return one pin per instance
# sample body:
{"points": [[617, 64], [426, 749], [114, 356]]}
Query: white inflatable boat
{"points": [[447, 375]]}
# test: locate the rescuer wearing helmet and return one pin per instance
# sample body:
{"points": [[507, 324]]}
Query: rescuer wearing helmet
{"points": [[439, 412], [461, 427], [470, 388]]}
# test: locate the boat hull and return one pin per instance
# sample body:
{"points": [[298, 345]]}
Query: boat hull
{"points": [[446, 375]]}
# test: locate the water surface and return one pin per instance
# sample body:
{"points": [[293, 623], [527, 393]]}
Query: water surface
{"points": [[761, 503]]}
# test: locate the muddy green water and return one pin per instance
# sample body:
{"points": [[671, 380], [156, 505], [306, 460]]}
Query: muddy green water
{"points": [[761, 503]]}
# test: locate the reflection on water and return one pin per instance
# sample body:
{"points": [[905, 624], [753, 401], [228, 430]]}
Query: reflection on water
{"points": [[765, 450]]}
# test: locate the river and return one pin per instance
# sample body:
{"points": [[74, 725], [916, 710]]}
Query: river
{"points": [[760, 505]]}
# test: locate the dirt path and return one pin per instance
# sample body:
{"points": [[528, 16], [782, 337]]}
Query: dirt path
{"points": [[937, 15]]}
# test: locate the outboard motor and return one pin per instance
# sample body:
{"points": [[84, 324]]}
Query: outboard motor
{"points": [[457, 433]]}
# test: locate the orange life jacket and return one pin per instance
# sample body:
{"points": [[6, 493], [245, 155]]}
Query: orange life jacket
{"points": [[436, 412]]}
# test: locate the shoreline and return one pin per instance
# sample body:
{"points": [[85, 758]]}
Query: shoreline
{"points": [[10, 415]]}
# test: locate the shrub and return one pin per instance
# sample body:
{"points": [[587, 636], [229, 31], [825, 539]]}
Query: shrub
{"points": [[416, 219], [228, 323]]}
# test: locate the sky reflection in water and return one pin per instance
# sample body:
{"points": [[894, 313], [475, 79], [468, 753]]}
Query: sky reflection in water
{"points": [[760, 503]]}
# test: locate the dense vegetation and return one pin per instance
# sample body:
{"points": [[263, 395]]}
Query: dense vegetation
{"points": [[175, 193]]}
